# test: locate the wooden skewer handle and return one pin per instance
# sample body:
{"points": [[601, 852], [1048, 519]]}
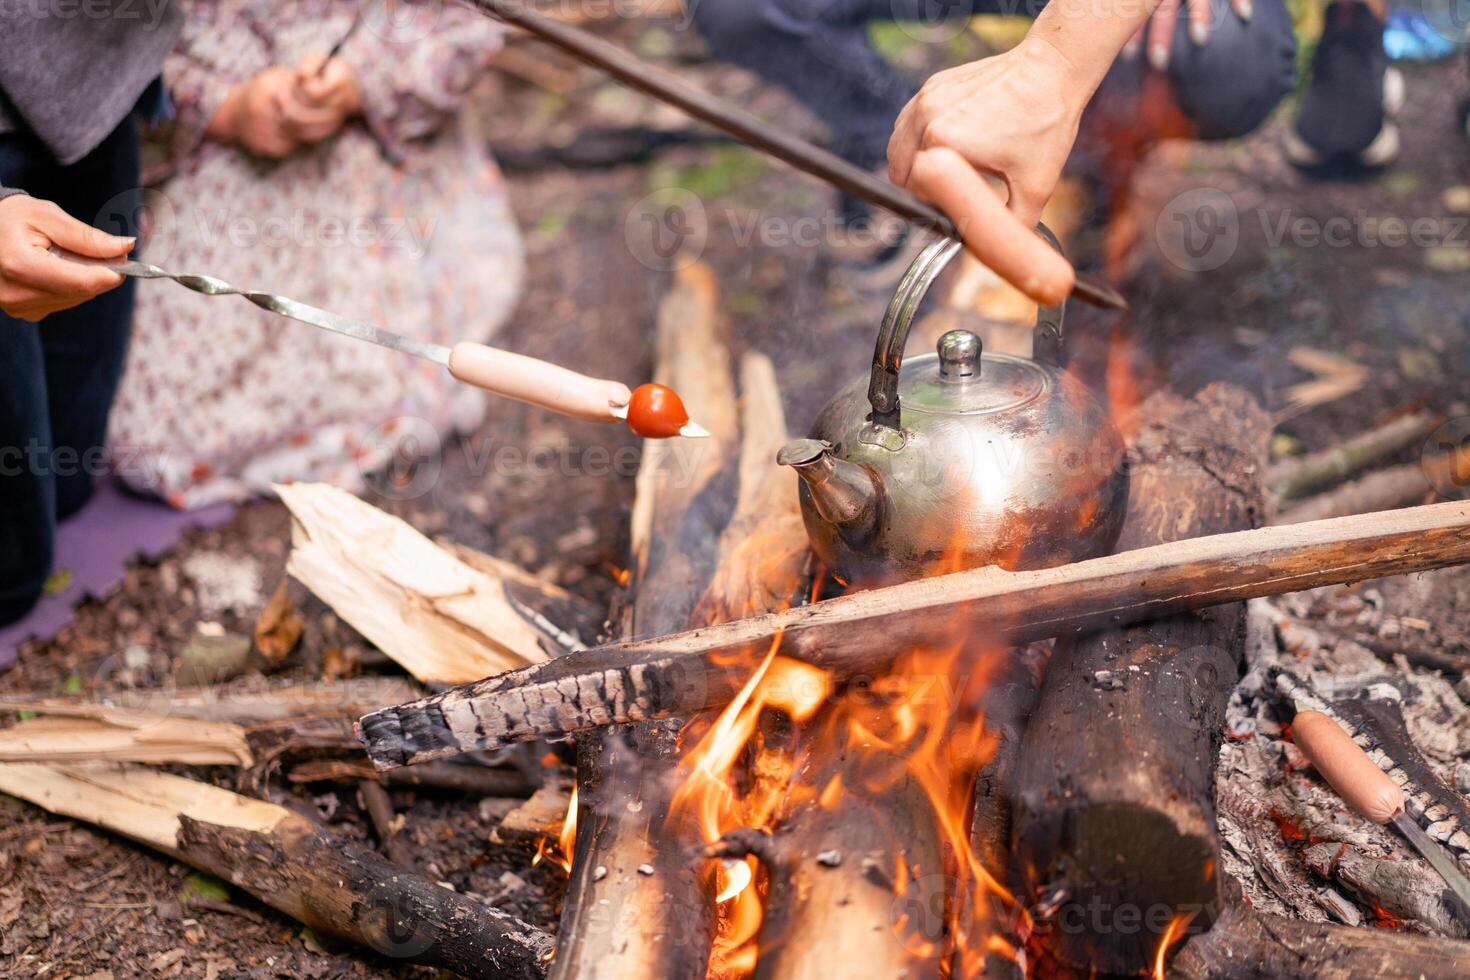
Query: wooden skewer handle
{"points": [[537, 382], [1346, 767]]}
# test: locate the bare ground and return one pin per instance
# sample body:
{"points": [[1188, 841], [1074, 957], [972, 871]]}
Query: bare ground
{"points": [[74, 902]]}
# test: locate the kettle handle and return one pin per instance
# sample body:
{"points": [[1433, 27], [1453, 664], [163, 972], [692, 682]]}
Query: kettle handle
{"points": [[899, 317]]}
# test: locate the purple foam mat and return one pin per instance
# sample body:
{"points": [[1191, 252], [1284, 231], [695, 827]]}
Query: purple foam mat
{"points": [[95, 546]]}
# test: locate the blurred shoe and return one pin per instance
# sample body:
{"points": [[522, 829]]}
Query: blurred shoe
{"points": [[1412, 36], [1343, 123]]}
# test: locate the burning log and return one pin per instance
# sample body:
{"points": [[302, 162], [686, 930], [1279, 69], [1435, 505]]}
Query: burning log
{"points": [[859, 876], [869, 845], [1115, 792], [337, 887], [862, 633], [632, 907]]}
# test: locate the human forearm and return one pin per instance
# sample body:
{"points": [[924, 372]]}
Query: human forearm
{"points": [[1089, 34]]}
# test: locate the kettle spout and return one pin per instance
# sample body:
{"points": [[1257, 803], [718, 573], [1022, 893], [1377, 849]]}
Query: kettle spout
{"points": [[846, 495]]}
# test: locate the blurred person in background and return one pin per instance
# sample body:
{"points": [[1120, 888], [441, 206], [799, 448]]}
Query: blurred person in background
{"points": [[70, 87], [360, 184], [1344, 120], [1201, 69]]}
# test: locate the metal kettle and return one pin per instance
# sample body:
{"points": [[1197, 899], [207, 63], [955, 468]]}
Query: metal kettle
{"points": [[965, 459]]}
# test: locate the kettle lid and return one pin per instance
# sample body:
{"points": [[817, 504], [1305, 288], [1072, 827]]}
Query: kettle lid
{"points": [[960, 379]]}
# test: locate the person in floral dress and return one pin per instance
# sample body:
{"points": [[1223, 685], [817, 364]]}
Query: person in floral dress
{"points": [[358, 184]]}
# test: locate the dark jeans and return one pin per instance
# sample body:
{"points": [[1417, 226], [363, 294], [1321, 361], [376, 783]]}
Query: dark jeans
{"points": [[58, 377], [820, 51]]}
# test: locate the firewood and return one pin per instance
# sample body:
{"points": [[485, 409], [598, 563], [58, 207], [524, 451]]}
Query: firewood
{"points": [[1401, 889], [632, 908], [379, 807], [872, 857], [1246, 945], [764, 546], [435, 615], [244, 702], [337, 887], [569, 613], [1115, 792], [126, 737], [540, 816], [1293, 478], [988, 924], [845, 855], [862, 633], [471, 780], [1396, 486]]}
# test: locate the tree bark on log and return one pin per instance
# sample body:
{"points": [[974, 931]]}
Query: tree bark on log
{"points": [[862, 633], [620, 921], [1115, 792], [337, 887], [447, 777], [1245, 945]]}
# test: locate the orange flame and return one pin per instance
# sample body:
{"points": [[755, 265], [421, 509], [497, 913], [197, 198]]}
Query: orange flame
{"points": [[709, 794], [1173, 934], [562, 848]]}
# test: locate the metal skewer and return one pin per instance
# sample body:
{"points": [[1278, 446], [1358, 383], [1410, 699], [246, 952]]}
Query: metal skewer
{"points": [[336, 49], [747, 128], [282, 305], [499, 372]]}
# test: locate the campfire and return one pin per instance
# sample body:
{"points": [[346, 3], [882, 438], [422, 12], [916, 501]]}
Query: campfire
{"points": [[980, 772], [884, 778], [760, 765]]}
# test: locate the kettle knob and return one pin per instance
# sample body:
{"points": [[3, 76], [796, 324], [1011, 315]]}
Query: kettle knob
{"points": [[959, 355]]}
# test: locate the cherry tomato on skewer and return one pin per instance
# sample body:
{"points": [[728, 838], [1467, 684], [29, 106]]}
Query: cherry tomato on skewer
{"points": [[656, 412]]}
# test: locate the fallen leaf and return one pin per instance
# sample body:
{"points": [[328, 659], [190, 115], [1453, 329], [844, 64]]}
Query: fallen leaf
{"points": [[58, 581], [310, 941], [210, 659], [201, 887], [162, 961], [279, 627]]}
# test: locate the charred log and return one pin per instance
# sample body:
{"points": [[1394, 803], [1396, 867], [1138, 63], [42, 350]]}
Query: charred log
{"points": [[339, 888], [1245, 945], [1115, 794]]}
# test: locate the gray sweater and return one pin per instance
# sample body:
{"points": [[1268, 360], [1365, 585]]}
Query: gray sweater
{"points": [[71, 70]]}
